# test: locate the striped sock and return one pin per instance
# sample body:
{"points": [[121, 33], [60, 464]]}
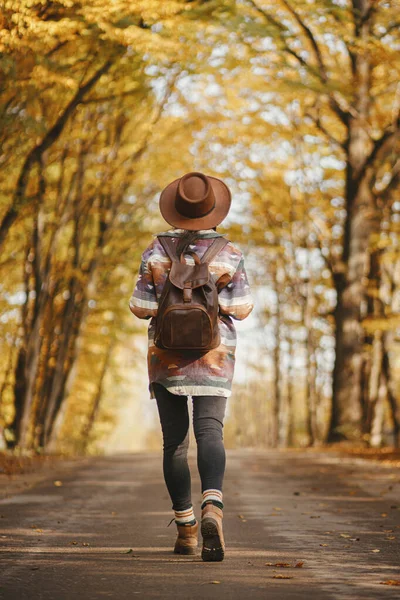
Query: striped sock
{"points": [[185, 517], [213, 497]]}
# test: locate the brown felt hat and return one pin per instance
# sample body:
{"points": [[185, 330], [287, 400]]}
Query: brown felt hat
{"points": [[195, 201]]}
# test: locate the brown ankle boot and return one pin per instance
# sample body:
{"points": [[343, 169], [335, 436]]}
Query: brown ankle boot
{"points": [[186, 542], [211, 530]]}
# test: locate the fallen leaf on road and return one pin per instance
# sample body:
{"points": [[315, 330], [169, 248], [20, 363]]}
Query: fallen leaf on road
{"points": [[282, 576], [390, 582], [323, 544], [391, 537], [282, 564], [383, 514], [344, 535], [127, 551], [58, 483], [299, 564], [74, 543], [215, 582], [376, 550], [85, 544]]}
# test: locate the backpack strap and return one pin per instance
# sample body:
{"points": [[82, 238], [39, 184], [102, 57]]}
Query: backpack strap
{"points": [[169, 247], [213, 249]]}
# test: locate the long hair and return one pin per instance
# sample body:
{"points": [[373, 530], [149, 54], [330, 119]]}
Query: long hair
{"points": [[188, 238]]}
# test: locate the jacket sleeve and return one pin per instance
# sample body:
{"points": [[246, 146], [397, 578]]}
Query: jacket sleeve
{"points": [[235, 298], [143, 302]]}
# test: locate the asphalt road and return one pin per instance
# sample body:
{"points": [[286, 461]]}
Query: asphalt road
{"points": [[101, 531]]}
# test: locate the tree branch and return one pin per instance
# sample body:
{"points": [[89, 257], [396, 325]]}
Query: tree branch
{"points": [[37, 151], [331, 138], [109, 98], [392, 184], [320, 72], [382, 144], [310, 36]]}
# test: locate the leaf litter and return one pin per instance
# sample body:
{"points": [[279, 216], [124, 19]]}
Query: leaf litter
{"points": [[285, 565]]}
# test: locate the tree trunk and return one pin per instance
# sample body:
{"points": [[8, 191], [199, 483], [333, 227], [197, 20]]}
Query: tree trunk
{"points": [[362, 221], [29, 357], [311, 399], [308, 308], [391, 397], [346, 419], [97, 399], [277, 400], [377, 423], [19, 394], [65, 357], [289, 437]]}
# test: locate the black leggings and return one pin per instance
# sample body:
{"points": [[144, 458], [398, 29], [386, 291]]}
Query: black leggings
{"points": [[208, 417]]}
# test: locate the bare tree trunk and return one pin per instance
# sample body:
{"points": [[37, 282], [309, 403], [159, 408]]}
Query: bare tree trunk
{"points": [[376, 430], [51, 445], [6, 383], [87, 429], [311, 398], [362, 221], [391, 397], [34, 330], [290, 429], [308, 307], [65, 358], [277, 399], [374, 381]]}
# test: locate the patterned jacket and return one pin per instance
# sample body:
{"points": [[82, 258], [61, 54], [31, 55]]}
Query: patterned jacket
{"points": [[212, 372]]}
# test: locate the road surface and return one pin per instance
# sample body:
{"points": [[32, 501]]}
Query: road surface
{"points": [[297, 524]]}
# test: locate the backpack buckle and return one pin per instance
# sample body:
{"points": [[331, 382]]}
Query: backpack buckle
{"points": [[187, 291]]}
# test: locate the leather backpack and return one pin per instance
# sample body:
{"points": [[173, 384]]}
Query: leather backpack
{"points": [[187, 316]]}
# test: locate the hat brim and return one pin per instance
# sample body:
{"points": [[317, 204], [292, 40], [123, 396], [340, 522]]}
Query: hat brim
{"points": [[215, 217]]}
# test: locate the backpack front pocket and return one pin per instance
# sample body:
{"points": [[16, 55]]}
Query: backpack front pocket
{"points": [[186, 328]]}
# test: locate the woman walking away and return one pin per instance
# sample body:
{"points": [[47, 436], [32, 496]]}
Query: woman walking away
{"points": [[191, 284]]}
